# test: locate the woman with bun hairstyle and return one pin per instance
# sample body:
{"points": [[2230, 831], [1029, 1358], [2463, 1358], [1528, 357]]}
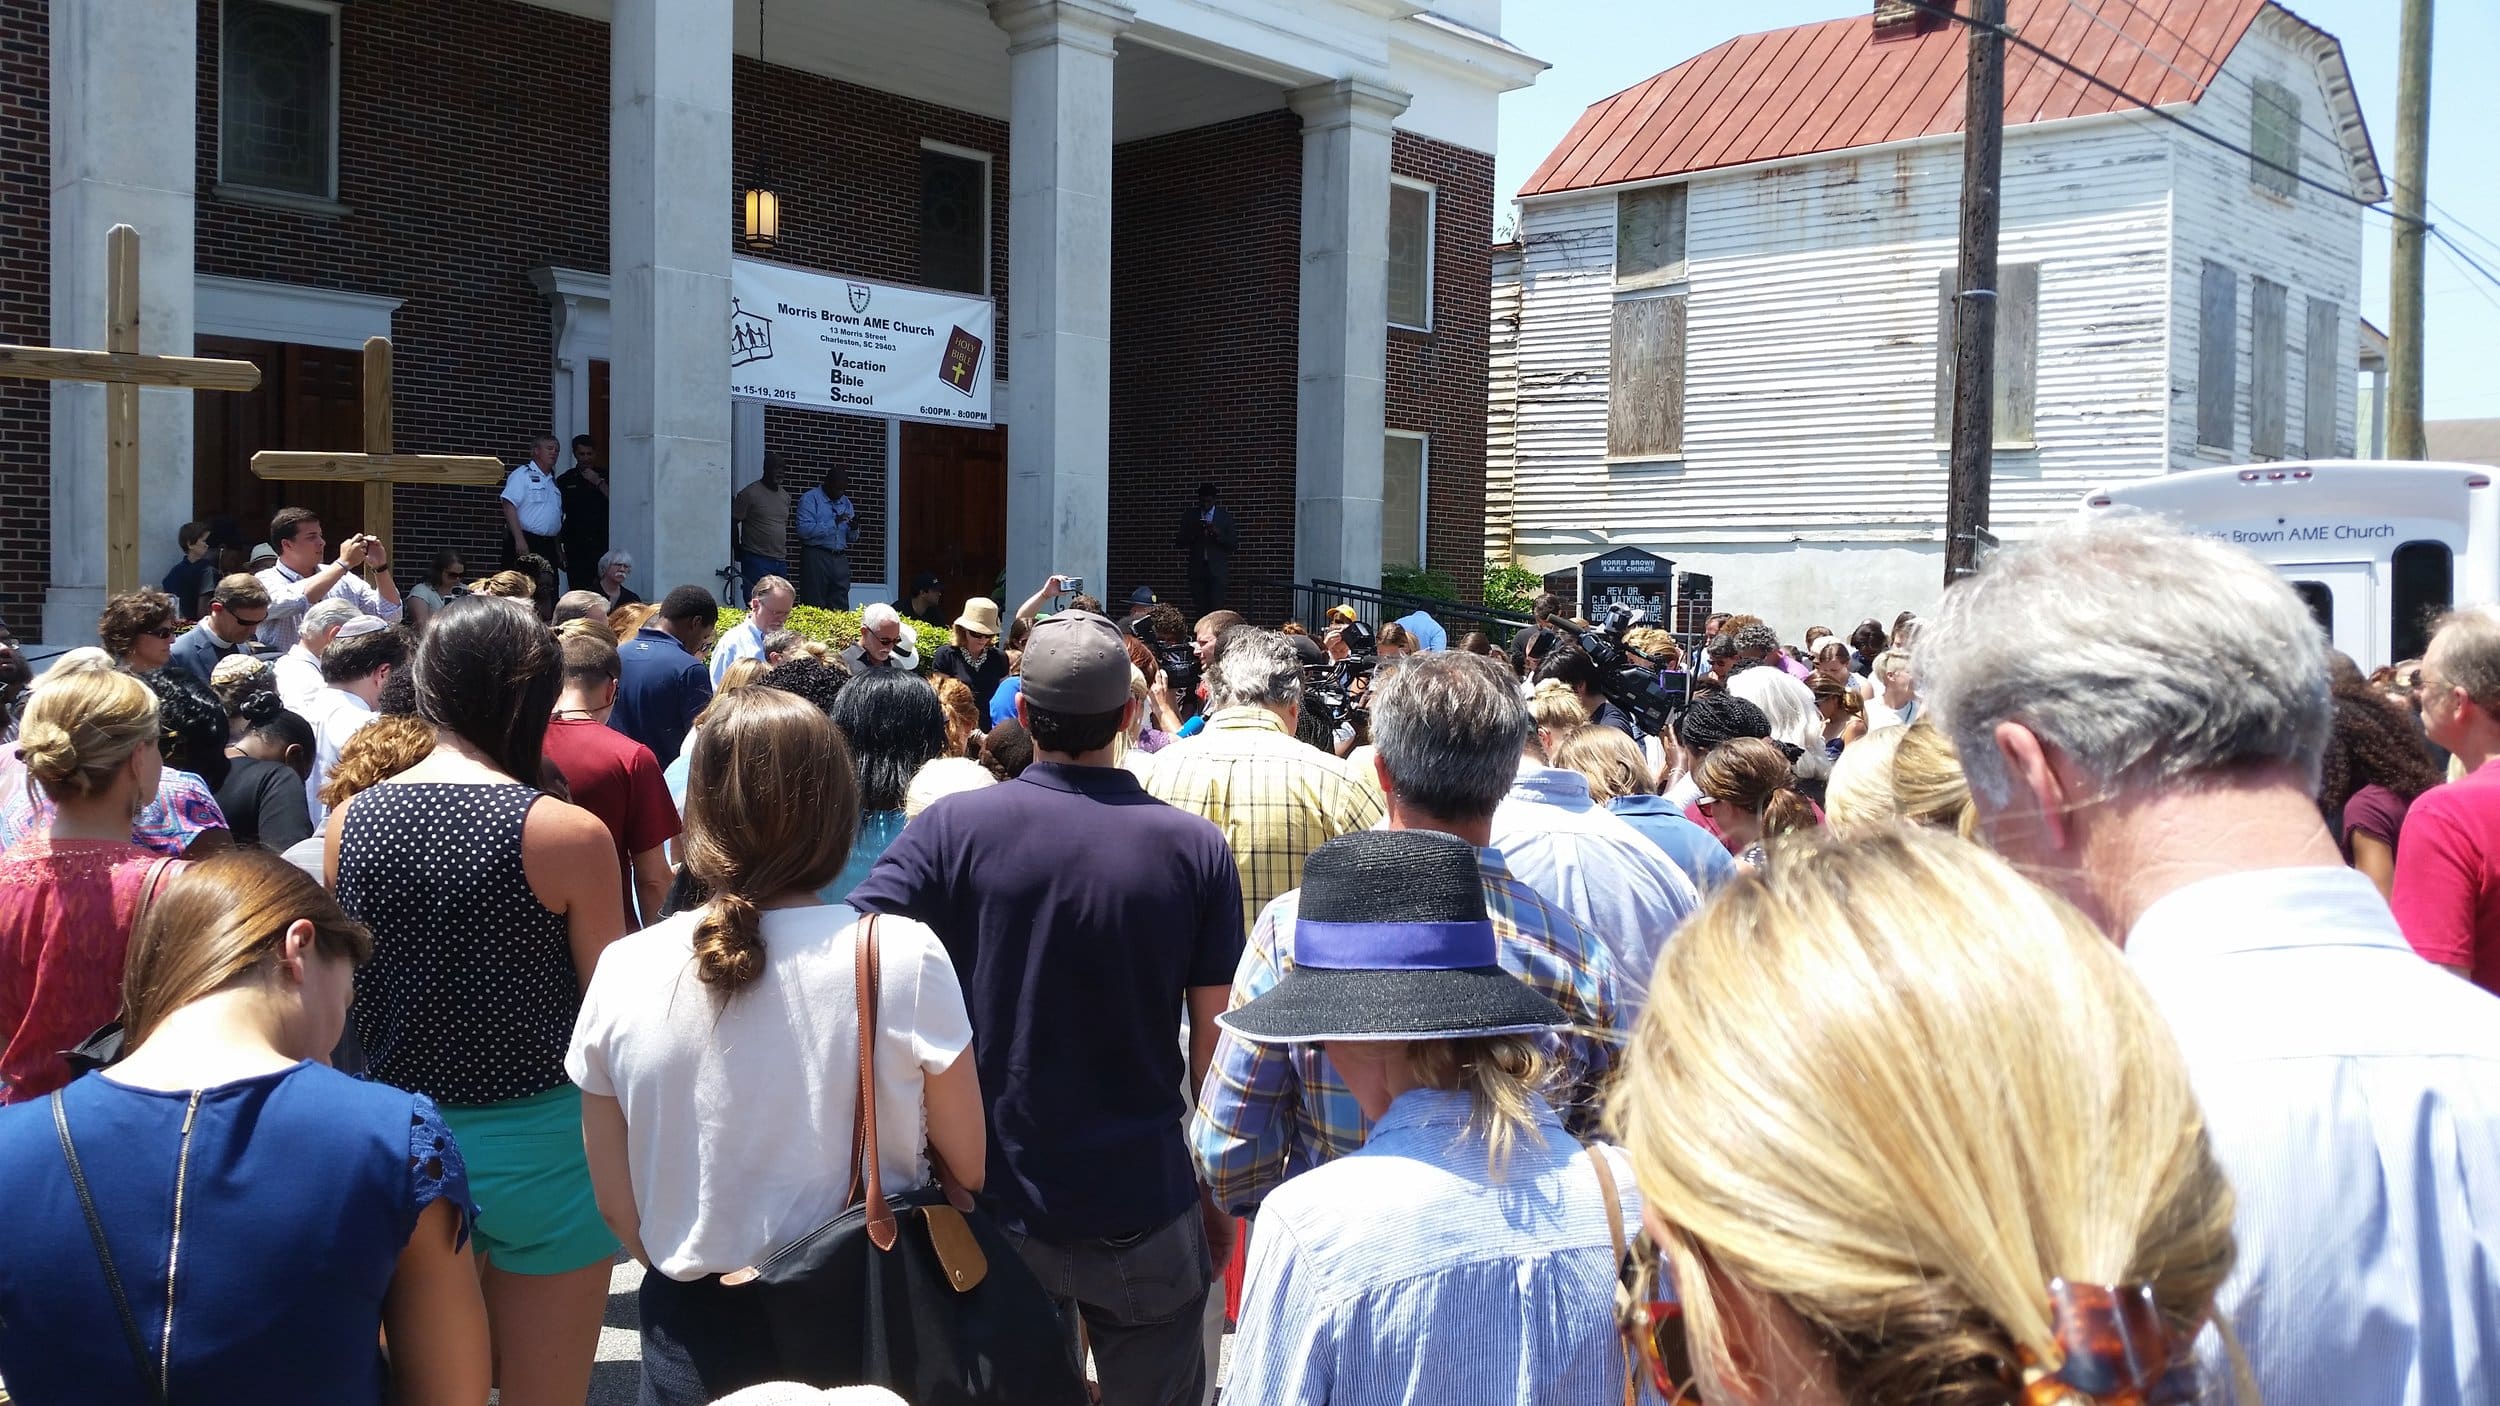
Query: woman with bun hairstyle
{"points": [[179, 817], [718, 1050], [70, 892], [489, 902], [268, 1220], [1753, 796], [1909, 1133]]}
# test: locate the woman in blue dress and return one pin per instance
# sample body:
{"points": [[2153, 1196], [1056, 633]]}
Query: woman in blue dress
{"points": [[219, 1216]]}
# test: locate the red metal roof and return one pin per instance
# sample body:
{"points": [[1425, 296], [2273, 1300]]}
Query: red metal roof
{"points": [[1831, 86]]}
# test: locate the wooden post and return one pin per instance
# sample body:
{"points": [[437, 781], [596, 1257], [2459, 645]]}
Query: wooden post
{"points": [[121, 416], [378, 469], [377, 391], [2412, 236], [1975, 303]]}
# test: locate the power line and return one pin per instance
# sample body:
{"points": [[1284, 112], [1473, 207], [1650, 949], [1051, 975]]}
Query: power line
{"points": [[2449, 250], [1943, 9], [2461, 252]]}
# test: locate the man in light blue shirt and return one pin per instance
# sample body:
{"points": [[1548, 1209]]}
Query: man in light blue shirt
{"points": [[767, 610], [1591, 864], [827, 523], [2142, 715]]}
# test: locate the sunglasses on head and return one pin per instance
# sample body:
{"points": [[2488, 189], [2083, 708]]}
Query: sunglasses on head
{"points": [[1654, 1326]]}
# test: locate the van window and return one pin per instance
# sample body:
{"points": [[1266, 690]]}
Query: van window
{"points": [[2321, 603], [2421, 588]]}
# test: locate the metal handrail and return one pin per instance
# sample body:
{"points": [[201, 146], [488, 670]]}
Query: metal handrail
{"points": [[1309, 602]]}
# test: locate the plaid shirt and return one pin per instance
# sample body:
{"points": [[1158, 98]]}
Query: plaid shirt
{"points": [[1269, 1111], [1275, 797]]}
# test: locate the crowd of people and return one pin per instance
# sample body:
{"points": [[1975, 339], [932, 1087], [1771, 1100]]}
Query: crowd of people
{"points": [[2041, 1003]]}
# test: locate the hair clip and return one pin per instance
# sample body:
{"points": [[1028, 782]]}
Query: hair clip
{"points": [[2114, 1350]]}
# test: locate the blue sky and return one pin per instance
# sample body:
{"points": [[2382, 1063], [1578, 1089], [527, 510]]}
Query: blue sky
{"points": [[1599, 47]]}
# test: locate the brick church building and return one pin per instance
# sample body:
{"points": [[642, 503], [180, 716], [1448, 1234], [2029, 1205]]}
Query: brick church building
{"points": [[1238, 241]]}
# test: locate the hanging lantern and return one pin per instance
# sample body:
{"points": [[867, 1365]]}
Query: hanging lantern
{"points": [[763, 223]]}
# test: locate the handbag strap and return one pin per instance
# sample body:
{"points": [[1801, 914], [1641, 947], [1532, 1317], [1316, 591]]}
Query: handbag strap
{"points": [[1614, 1226], [104, 1253], [866, 1185]]}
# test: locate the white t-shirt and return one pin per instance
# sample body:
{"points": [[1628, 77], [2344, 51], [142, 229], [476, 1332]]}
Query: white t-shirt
{"points": [[738, 1111], [336, 716]]}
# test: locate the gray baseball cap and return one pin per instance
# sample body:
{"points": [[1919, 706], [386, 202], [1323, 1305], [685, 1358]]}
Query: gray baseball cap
{"points": [[1076, 662]]}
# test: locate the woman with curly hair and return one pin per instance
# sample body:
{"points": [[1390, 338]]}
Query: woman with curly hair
{"points": [[2375, 766], [138, 629]]}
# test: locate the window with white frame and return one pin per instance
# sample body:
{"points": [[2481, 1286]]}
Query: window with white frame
{"points": [[954, 219], [1410, 255], [1649, 237], [278, 96], [1405, 481]]}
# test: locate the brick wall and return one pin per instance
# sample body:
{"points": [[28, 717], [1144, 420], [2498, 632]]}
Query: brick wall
{"points": [[25, 309], [1206, 259], [1437, 379]]}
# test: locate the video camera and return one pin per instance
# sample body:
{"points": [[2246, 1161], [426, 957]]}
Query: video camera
{"points": [[1631, 680]]}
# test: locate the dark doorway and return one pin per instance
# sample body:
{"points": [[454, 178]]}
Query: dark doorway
{"points": [[953, 517], [597, 429], [309, 398]]}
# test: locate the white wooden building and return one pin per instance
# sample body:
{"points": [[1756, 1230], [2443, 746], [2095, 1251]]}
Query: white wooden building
{"points": [[1733, 280]]}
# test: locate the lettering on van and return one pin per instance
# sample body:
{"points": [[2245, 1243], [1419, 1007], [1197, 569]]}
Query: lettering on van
{"points": [[2317, 532]]}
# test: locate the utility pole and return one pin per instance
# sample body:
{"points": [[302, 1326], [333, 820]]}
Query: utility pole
{"points": [[1975, 304], [2404, 332]]}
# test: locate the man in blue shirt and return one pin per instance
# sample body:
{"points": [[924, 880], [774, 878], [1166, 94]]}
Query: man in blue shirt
{"points": [[1077, 972], [235, 611], [827, 522], [661, 683]]}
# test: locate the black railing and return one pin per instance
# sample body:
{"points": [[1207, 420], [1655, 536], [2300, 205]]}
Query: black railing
{"points": [[1309, 603]]}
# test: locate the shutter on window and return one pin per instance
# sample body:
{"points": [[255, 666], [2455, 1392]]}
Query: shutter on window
{"points": [[2269, 368], [2217, 356]]}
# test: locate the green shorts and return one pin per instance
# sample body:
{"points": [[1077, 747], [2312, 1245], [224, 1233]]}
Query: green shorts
{"points": [[535, 1210]]}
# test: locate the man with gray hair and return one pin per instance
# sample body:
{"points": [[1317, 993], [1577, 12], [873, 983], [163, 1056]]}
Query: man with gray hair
{"points": [[885, 642], [1448, 728], [298, 671], [1275, 797], [2142, 714], [2448, 866]]}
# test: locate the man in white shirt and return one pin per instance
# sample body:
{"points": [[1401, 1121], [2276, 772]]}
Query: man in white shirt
{"points": [[298, 671], [533, 507], [767, 610], [300, 580], [1590, 862], [353, 670], [2142, 714]]}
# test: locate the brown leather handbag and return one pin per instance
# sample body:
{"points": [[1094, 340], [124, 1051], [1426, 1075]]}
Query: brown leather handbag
{"points": [[919, 1293]]}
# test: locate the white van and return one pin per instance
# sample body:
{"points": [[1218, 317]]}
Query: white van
{"points": [[2377, 548]]}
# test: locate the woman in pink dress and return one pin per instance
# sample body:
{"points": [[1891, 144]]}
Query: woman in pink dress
{"points": [[70, 894]]}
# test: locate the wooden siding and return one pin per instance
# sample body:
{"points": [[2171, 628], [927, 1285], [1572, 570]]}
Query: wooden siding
{"points": [[1813, 341], [2308, 242], [1501, 426]]}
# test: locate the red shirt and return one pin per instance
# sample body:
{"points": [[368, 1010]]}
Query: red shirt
{"points": [[66, 909], [617, 779], [2448, 876]]}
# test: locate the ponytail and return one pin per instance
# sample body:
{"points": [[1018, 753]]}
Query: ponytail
{"points": [[1786, 812], [729, 941]]}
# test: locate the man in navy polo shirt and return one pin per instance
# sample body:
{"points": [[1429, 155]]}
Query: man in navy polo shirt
{"points": [[1077, 971], [661, 682]]}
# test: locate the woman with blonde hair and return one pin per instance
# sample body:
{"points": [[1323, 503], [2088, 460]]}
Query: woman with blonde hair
{"points": [[1908, 1133], [963, 719], [1928, 787], [1470, 1241], [1558, 711], [1753, 795], [1860, 791], [177, 815], [718, 1050], [1620, 779], [70, 891], [265, 1220], [628, 620]]}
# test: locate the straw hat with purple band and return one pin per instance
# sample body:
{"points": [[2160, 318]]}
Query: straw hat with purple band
{"points": [[1392, 942]]}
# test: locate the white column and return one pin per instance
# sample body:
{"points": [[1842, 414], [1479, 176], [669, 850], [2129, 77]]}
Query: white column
{"points": [[1059, 284], [669, 157], [119, 159], [1346, 136]]}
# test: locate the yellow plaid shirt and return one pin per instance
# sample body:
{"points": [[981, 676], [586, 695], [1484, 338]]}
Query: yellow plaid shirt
{"points": [[1275, 797]]}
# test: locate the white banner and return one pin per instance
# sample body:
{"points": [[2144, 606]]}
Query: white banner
{"points": [[826, 342]]}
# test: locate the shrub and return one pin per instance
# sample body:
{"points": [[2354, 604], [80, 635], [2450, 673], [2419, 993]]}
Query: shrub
{"points": [[1511, 588], [839, 629], [1418, 581]]}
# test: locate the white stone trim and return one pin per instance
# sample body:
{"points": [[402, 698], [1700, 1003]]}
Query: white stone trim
{"points": [[256, 311], [577, 306]]}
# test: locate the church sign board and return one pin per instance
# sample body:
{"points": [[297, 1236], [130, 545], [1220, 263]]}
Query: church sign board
{"points": [[1642, 580], [821, 341]]}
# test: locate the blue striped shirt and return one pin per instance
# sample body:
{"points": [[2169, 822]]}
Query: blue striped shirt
{"points": [[1405, 1272]]}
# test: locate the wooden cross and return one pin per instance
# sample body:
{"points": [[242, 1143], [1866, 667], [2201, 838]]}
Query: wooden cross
{"points": [[377, 468], [122, 371]]}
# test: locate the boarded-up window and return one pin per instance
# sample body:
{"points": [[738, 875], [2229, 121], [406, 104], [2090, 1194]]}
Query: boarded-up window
{"points": [[2016, 392], [2269, 367], [1410, 256], [954, 222], [1645, 402], [2274, 138], [2217, 356], [1403, 494], [1649, 236], [2322, 381]]}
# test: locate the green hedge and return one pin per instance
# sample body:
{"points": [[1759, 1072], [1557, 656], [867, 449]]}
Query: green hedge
{"points": [[839, 629]]}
